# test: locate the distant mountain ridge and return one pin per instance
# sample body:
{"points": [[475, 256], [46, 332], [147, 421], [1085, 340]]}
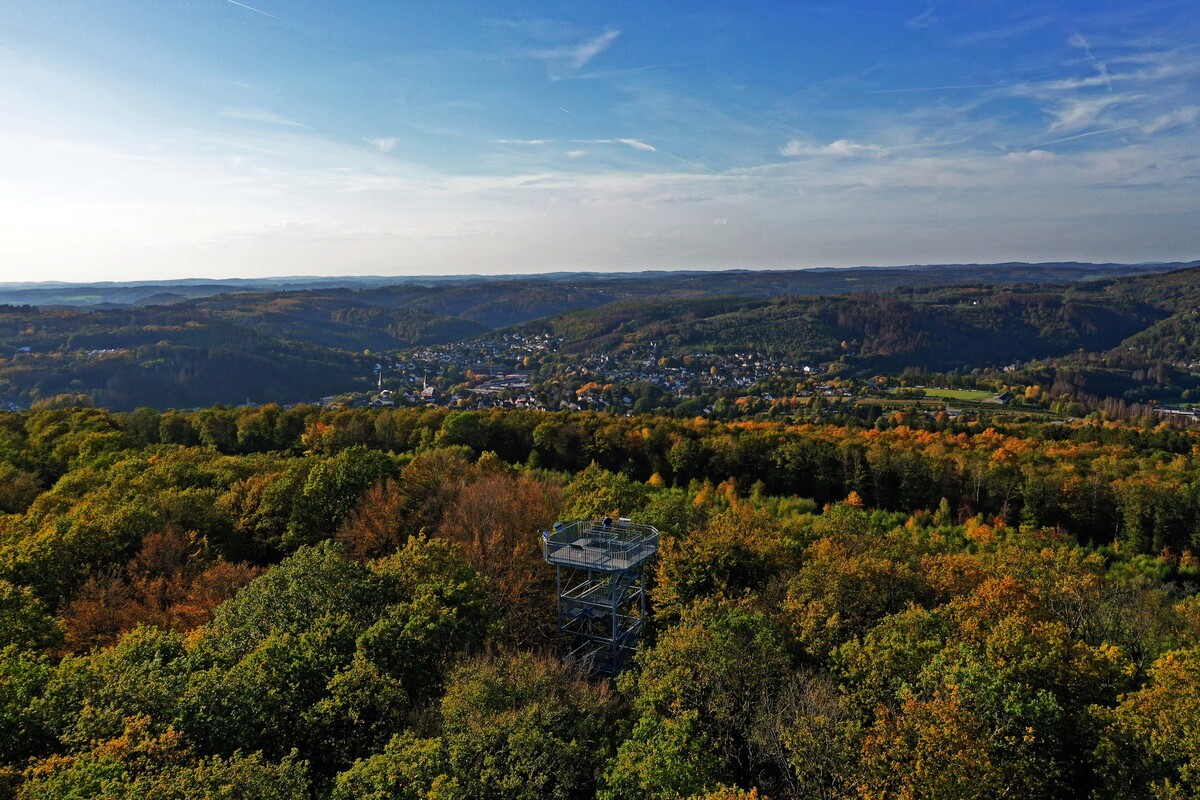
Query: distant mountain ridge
{"points": [[160, 347], [813, 280]]}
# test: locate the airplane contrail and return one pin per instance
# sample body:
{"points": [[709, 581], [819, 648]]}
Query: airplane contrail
{"points": [[252, 8], [1082, 135]]}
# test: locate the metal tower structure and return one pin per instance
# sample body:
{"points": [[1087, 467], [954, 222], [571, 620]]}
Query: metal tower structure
{"points": [[601, 572]]}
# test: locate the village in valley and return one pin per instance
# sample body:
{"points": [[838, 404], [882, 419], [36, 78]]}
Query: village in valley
{"points": [[529, 371]]}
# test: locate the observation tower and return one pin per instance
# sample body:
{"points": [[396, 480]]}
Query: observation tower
{"points": [[601, 571]]}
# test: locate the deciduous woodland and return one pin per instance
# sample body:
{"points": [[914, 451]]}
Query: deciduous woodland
{"points": [[306, 603], [1087, 339]]}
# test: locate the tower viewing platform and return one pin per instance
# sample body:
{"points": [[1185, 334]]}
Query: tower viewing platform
{"points": [[617, 545], [600, 568]]}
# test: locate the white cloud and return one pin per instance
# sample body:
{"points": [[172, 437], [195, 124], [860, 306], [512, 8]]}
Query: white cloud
{"points": [[842, 148], [575, 56], [531, 142], [997, 34], [576, 153], [636, 144], [926, 18], [1078, 40], [1030, 156], [382, 145], [1173, 119], [1078, 104], [1078, 113], [1152, 67], [1071, 84], [261, 115], [1022, 206], [252, 8], [1088, 134]]}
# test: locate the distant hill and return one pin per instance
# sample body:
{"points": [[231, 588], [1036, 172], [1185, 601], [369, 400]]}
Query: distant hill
{"points": [[745, 283], [933, 330], [282, 348], [159, 299], [160, 347]]}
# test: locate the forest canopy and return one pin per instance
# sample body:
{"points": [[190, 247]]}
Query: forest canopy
{"points": [[314, 603]]}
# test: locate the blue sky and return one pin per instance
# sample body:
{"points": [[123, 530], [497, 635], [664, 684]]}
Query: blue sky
{"points": [[281, 137]]}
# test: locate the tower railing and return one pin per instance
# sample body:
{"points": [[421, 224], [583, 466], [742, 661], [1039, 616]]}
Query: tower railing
{"points": [[594, 544], [600, 569]]}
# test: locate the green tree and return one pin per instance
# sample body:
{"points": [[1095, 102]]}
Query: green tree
{"points": [[331, 490], [807, 736], [595, 492], [839, 592], [441, 609], [664, 758], [525, 727], [408, 768], [362, 709], [735, 553], [1150, 743], [142, 766], [315, 589], [720, 661], [24, 620], [217, 428], [23, 679], [18, 488], [91, 698]]}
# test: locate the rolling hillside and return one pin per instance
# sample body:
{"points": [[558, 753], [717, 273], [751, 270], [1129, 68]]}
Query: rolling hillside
{"points": [[302, 345]]}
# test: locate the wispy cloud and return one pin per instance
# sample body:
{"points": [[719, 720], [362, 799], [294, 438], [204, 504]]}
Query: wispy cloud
{"points": [[1086, 135], [636, 144], [1072, 84], [1121, 93], [926, 18], [951, 87], [252, 8], [1173, 119], [382, 145], [1079, 40], [1029, 156], [639, 145], [612, 73], [998, 34], [531, 142], [572, 57], [260, 115], [1076, 113], [842, 148]]}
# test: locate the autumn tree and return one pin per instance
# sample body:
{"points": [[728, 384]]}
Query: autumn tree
{"points": [[735, 553], [496, 520], [718, 663], [1150, 742], [595, 492]]}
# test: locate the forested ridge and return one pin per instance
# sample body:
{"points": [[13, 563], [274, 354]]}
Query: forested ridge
{"points": [[487, 294], [301, 346], [315, 603], [883, 332]]}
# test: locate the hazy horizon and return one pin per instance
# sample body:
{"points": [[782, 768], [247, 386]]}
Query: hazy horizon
{"points": [[545, 273], [222, 139]]}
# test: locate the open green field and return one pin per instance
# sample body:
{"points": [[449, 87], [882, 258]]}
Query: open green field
{"points": [[987, 410], [959, 394]]}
